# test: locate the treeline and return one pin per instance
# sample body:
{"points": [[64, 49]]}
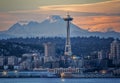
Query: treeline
{"points": [[80, 45]]}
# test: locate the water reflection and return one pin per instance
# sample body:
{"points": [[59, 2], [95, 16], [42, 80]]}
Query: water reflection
{"points": [[59, 80]]}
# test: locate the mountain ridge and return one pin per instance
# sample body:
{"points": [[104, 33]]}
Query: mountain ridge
{"points": [[52, 26]]}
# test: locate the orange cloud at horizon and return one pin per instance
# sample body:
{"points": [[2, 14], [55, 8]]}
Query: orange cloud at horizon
{"points": [[98, 23], [100, 7]]}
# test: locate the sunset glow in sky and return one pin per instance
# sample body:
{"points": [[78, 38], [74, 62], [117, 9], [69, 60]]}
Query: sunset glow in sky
{"points": [[92, 15]]}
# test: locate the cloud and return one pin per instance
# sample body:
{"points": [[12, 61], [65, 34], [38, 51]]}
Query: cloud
{"points": [[108, 7], [13, 5], [98, 23]]}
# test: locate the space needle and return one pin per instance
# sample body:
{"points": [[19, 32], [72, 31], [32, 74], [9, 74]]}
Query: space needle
{"points": [[68, 50]]}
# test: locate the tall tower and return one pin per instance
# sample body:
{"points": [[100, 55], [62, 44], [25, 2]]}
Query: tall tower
{"points": [[68, 51]]}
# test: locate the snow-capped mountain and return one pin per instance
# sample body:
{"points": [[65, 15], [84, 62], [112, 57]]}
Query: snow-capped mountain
{"points": [[52, 26]]}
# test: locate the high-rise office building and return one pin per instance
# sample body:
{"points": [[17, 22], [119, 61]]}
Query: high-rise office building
{"points": [[1, 60], [115, 52], [12, 60], [49, 51], [102, 55]]}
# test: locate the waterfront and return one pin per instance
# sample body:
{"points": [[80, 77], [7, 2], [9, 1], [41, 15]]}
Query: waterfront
{"points": [[59, 80]]}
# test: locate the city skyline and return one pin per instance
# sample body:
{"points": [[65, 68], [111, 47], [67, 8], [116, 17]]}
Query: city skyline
{"points": [[97, 15], [97, 62]]}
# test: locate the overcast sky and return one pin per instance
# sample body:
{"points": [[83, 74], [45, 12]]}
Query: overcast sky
{"points": [[92, 15]]}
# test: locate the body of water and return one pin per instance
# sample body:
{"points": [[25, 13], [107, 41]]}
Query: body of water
{"points": [[59, 80]]}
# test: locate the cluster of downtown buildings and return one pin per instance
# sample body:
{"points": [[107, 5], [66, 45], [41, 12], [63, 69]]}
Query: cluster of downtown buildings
{"points": [[49, 60]]}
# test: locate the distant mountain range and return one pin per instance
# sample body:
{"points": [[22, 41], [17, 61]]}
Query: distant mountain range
{"points": [[52, 26]]}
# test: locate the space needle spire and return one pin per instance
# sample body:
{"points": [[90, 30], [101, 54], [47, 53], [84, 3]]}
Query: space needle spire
{"points": [[68, 50]]}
